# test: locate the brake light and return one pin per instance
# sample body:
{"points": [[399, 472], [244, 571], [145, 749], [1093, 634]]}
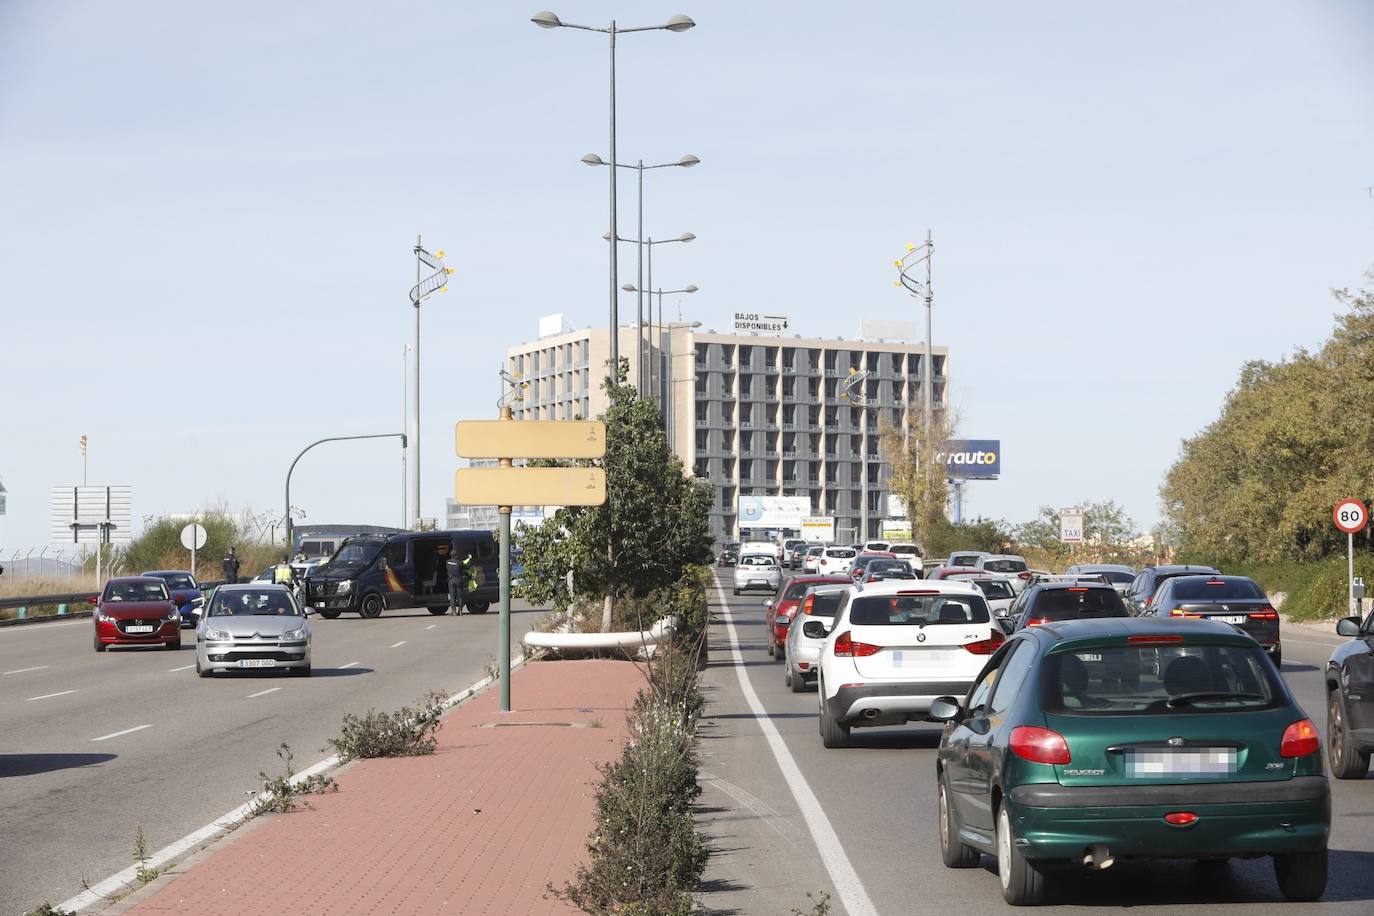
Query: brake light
{"points": [[1149, 600], [1024, 575], [808, 604], [1077, 588], [1215, 582], [845, 647], [1039, 745], [986, 646], [1036, 621], [1179, 612], [1180, 818], [1153, 640], [918, 591], [1300, 739], [1266, 614]]}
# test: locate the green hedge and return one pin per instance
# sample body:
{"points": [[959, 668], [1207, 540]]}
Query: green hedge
{"points": [[1313, 590]]}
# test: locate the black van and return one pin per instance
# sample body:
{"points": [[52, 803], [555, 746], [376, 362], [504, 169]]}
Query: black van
{"points": [[370, 573]]}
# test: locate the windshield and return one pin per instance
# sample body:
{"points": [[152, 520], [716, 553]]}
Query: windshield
{"points": [[252, 602], [1160, 680], [968, 559], [757, 559], [995, 589], [176, 580], [918, 610], [1216, 590], [357, 552], [1078, 600], [1005, 566], [316, 549], [136, 591]]}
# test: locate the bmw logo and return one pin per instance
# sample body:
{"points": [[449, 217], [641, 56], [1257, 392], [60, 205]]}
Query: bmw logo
{"points": [[920, 637]]}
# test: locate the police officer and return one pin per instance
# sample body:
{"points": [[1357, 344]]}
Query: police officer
{"points": [[462, 581], [231, 568]]}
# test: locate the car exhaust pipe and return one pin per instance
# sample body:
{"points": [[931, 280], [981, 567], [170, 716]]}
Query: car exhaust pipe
{"points": [[1098, 857], [872, 713]]}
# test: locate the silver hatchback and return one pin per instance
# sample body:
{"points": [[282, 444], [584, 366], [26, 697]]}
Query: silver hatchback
{"points": [[758, 571], [253, 625]]}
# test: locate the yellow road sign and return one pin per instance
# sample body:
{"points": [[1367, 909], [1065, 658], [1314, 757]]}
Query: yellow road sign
{"points": [[529, 486], [530, 439]]}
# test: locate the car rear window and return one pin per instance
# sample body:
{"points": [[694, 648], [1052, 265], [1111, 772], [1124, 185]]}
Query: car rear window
{"points": [[918, 610], [840, 553], [1079, 601], [796, 590], [1004, 566], [757, 559], [909, 549], [1122, 578], [1211, 589], [177, 580], [995, 589], [826, 605], [1160, 680], [964, 561]]}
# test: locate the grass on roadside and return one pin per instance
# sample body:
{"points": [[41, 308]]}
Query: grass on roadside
{"points": [[407, 732]]}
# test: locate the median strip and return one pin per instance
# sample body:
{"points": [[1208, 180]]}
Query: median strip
{"points": [[127, 731], [262, 692], [24, 670], [60, 693]]}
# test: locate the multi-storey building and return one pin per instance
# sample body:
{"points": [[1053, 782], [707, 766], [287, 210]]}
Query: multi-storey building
{"points": [[755, 415]]}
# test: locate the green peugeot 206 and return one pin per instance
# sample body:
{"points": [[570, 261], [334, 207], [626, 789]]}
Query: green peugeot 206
{"points": [[1089, 741]]}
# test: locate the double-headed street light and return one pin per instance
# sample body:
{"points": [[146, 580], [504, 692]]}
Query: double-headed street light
{"points": [[685, 162], [547, 20], [647, 290], [661, 393]]}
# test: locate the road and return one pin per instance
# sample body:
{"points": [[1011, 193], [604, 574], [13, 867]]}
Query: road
{"points": [[878, 798], [95, 745]]}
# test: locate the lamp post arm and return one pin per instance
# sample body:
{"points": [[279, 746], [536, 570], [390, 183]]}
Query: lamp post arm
{"points": [[301, 454]]}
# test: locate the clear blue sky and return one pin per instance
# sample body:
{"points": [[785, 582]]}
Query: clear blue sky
{"points": [[208, 211]]}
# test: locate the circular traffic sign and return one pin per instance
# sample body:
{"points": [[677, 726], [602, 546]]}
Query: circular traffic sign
{"points": [[1350, 516], [193, 537]]}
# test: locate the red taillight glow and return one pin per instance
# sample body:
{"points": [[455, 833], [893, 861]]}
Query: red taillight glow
{"points": [[1024, 575], [1039, 745], [986, 646], [803, 665], [1215, 582], [1153, 640], [918, 591], [1179, 612], [808, 604], [1036, 621], [1180, 818], [1300, 739], [1266, 614], [846, 647]]}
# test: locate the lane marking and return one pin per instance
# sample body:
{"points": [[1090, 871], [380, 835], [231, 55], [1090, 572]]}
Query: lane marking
{"points": [[349, 665], [23, 670], [398, 645], [1337, 641], [127, 731], [44, 627], [262, 692], [127, 878], [182, 668], [431, 626], [842, 874], [60, 693]]}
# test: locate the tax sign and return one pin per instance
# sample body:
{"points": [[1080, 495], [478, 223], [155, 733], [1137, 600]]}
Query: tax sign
{"points": [[1350, 516]]}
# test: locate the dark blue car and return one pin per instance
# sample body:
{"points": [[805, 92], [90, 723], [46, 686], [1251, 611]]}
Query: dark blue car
{"points": [[185, 592]]}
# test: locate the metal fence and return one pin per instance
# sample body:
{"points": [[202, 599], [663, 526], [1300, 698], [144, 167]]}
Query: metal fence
{"points": [[49, 563]]}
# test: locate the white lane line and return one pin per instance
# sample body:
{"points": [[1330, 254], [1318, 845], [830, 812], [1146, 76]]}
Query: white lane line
{"points": [[1312, 642], [349, 665], [847, 884], [44, 627], [182, 668], [397, 645], [262, 692], [25, 670], [126, 878], [61, 693], [127, 731], [430, 627]]}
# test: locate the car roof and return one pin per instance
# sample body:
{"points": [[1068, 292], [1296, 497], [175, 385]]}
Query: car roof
{"points": [[827, 588], [817, 577], [1102, 567], [1061, 631], [1182, 569], [1211, 577], [1004, 556], [944, 586], [1074, 583], [167, 572], [247, 586], [142, 578]]}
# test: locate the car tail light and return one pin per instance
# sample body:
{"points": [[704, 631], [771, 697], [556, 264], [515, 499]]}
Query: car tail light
{"points": [[1039, 745], [1179, 612], [1153, 640], [1300, 739], [845, 647], [1266, 614], [803, 665], [180, 599], [986, 646], [919, 591], [808, 604], [1036, 621], [93, 600], [1149, 600], [1024, 575], [1180, 818], [1077, 588]]}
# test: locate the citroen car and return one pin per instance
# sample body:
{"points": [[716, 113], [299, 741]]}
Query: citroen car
{"points": [[136, 611], [253, 626]]}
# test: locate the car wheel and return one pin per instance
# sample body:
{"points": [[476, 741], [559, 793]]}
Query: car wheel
{"points": [[300, 672], [439, 609], [833, 734], [99, 646], [330, 615], [371, 606], [772, 649], [1302, 875], [174, 644], [953, 852], [1023, 883], [1277, 655], [1347, 762], [794, 680], [736, 593], [478, 607], [203, 672]]}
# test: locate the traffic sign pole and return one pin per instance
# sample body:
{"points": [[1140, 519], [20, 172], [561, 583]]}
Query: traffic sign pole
{"points": [[504, 512], [1350, 572], [1350, 515]]}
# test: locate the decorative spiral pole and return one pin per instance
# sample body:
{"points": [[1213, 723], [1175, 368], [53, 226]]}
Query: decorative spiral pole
{"points": [[424, 287], [906, 265]]}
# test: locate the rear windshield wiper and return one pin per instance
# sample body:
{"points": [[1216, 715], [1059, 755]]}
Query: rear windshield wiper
{"points": [[1184, 699]]}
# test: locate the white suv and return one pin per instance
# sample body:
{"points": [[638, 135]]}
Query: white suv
{"points": [[835, 560], [905, 550], [894, 647]]}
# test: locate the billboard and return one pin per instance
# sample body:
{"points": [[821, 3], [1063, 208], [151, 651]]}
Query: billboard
{"points": [[975, 459], [818, 528], [78, 514], [773, 511]]}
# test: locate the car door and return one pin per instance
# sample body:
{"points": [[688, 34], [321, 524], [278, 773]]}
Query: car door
{"points": [[1358, 680], [1135, 592], [398, 573], [963, 738], [1163, 600], [987, 737]]}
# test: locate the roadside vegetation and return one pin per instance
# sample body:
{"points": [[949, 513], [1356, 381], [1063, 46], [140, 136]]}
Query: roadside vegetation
{"points": [[407, 732], [280, 793]]}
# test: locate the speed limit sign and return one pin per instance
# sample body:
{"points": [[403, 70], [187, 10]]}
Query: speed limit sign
{"points": [[1350, 516]]}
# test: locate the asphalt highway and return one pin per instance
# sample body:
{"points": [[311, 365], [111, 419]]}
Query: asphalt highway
{"points": [[768, 821], [95, 745]]}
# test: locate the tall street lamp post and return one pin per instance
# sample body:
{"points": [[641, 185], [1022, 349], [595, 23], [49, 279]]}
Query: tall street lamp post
{"points": [[422, 290], [301, 453], [644, 290], [685, 162], [547, 20], [662, 396]]}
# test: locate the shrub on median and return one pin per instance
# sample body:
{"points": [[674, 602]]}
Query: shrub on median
{"points": [[407, 732]]}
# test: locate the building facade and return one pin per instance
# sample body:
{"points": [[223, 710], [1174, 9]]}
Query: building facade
{"points": [[755, 415]]}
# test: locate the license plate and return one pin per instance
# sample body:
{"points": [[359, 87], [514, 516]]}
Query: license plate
{"points": [[920, 658], [1089, 656], [1202, 761], [139, 629], [257, 663], [1231, 618]]}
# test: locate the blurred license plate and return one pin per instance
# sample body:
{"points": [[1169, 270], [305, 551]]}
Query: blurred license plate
{"points": [[1231, 618], [257, 663], [1201, 761], [138, 629], [916, 658], [1090, 656]]}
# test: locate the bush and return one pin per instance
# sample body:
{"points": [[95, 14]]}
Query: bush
{"points": [[1314, 590], [407, 732], [280, 793]]}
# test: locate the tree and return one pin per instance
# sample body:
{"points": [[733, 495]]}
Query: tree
{"points": [[919, 475], [1107, 533], [653, 527]]}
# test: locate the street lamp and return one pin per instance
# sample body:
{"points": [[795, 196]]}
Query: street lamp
{"points": [[302, 452], [920, 254], [436, 282], [547, 20], [661, 395], [643, 290]]}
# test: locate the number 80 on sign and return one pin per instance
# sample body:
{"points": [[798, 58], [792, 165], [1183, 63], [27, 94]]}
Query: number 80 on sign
{"points": [[1350, 516]]}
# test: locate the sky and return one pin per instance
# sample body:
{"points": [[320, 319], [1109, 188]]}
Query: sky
{"points": [[207, 214]]}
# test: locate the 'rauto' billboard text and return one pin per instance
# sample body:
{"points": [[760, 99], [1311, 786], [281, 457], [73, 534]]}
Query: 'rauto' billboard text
{"points": [[974, 458]]}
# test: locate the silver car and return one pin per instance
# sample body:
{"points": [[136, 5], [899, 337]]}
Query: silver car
{"points": [[253, 625], [801, 653], [758, 571]]}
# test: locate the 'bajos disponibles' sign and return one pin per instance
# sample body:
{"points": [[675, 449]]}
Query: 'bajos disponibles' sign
{"points": [[757, 321]]}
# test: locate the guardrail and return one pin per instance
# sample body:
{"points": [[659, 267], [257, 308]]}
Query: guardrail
{"points": [[24, 602]]}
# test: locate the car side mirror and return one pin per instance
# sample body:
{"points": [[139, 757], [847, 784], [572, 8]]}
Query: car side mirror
{"points": [[768, 604], [945, 709], [1348, 626], [308, 610], [1007, 624], [815, 629], [93, 600]]}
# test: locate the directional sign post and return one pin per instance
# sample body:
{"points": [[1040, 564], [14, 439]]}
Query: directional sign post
{"points": [[1350, 516], [508, 486]]}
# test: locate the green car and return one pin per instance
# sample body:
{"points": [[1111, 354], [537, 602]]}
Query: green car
{"points": [[1088, 741]]}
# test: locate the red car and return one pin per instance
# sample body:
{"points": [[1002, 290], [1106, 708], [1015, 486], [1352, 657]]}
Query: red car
{"points": [[136, 611], [783, 605]]}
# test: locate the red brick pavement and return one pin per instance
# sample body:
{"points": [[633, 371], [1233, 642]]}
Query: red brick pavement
{"points": [[482, 826]]}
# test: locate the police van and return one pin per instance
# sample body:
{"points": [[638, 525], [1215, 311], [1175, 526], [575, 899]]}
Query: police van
{"points": [[371, 573]]}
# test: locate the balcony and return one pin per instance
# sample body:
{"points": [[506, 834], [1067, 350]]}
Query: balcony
{"points": [[771, 370], [789, 424], [727, 396], [773, 455], [791, 454]]}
